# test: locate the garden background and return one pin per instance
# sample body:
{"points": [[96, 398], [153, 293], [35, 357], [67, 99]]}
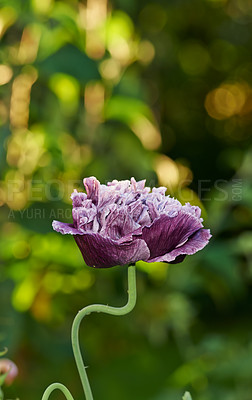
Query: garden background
{"points": [[157, 90]]}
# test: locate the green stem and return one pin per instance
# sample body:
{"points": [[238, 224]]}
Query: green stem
{"points": [[75, 336], [59, 386]]}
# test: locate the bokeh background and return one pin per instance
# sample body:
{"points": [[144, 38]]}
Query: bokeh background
{"points": [[158, 90]]}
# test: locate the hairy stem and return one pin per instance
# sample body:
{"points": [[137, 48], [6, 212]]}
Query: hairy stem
{"points": [[75, 336]]}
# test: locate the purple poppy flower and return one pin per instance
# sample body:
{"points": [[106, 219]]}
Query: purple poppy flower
{"points": [[124, 222]]}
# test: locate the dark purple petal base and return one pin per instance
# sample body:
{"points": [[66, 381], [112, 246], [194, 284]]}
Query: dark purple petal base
{"points": [[98, 251]]}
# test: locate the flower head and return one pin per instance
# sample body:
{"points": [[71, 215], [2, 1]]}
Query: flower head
{"points": [[8, 366], [124, 222]]}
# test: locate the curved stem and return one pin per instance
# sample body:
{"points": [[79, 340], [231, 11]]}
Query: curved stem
{"points": [[75, 336], [105, 309], [59, 386]]}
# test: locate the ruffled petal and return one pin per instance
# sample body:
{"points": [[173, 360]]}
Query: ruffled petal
{"points": [[194, 210], [123, 222], [102, 252], [118, 224], [194, 243], [167, 232], [65, 229], [78, 198], [92, 186]]}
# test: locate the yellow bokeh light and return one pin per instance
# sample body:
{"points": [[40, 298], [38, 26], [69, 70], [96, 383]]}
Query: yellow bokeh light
{"points": [[53, 281], [247, 108], [120, 43], [110, 69], [42, 7], [29, 44], [146, 52], [14, 190], [95, 18], [96, 13], [171, 174], [94, 98], [25, 150], [83, 280], [75, 155], [226, 101], [20, 97], [41, 306], [24, 294], [21, 249], [245, 6], [7, 17], [147, 132], [81, 17], [18, 198], [95, 47], [120, 49], [185, 175], [239, 8], [119, 25], [167, 171], [67, 89], [5, 74]]}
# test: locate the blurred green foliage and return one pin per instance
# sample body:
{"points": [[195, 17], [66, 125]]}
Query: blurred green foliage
{"points": [[158, 90]]}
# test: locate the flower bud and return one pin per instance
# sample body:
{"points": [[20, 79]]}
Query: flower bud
{"points": [[8, 366]]}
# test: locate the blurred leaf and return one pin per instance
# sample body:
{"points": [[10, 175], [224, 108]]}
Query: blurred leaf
{"points": [[126, 109], [2, 379], [2, 353], [71, 61]]}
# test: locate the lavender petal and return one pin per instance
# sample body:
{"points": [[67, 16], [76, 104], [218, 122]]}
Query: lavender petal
{"points": [[64, 228], [92, 186]]}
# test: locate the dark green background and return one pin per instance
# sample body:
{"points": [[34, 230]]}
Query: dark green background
{"points": [[160, 91]]}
